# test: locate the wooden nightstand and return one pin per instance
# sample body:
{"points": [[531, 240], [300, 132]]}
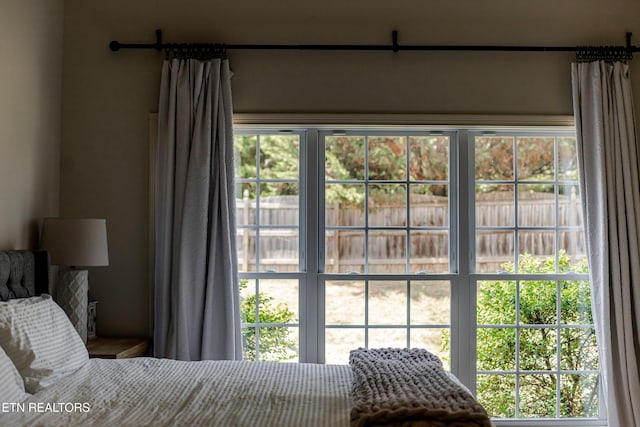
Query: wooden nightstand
{"points": [[117, 348]]}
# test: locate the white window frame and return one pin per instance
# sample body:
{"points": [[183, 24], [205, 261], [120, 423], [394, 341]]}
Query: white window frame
{"points": [[451, 276], [462, 228], [304, 235], [468, 215]]}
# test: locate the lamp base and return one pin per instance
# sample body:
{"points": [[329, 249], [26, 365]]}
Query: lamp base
{"points": [[73, 297]]}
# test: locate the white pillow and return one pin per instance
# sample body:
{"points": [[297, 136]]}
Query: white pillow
{"points": [[11, 387], [40, 340]]}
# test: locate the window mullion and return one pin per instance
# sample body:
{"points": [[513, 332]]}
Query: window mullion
{"points": [[311, 226], [516, 225], [366, 215], [463, 317], [407, 243], [257, 218]]}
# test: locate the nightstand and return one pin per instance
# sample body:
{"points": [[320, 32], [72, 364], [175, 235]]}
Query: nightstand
{"points": [[117, 348]]}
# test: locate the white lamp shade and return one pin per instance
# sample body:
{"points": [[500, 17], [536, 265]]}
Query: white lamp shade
{"points": [[78, 242]]}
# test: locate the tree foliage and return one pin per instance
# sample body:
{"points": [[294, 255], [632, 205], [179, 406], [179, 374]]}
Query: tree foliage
{"points": [[536, 341], [534, 161], [278, 160], [386, 159], [275, 343]]}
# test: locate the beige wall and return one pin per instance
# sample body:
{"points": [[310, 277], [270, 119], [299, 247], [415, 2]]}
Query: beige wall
{"points": [[108, 96], [30, 109]]}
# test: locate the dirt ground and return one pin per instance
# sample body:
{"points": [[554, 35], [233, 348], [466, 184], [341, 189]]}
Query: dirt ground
{"points": [[397, 315]]}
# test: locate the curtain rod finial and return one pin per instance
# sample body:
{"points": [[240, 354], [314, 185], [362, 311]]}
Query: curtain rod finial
{"points": [[114, 46]]}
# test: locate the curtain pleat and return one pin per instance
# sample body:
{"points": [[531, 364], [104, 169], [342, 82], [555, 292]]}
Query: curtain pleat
{"points": [[609, 159], [197, 313]]}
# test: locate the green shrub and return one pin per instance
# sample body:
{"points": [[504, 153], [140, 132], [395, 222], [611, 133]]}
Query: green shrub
{"points": [[496, 347], [276, 343]]}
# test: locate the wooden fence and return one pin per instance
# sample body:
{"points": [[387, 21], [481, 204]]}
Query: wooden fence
{"points": [[386, 251]]}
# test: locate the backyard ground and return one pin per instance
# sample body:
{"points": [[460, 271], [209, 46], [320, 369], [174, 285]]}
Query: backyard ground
{"points": [[390, 321]]}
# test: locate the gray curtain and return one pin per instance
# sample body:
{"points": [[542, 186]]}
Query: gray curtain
{"points": [[609, 161], [197, 313]]}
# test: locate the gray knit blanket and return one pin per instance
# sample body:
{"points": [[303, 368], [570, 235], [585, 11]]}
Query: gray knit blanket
{"points": [[409, 387]]}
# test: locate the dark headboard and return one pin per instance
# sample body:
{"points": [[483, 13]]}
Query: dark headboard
{"points": [[23, 274]]}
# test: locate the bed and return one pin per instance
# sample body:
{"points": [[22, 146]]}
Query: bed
{"points": [[48, 379]]}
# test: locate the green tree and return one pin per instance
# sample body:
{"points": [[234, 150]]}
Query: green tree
{"points": [[278, 159], [276, 343], [386, 159], [494, 160]]}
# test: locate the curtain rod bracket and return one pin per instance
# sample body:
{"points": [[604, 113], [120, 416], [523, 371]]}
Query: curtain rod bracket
{"points": [[158, 39], [394, 38]]}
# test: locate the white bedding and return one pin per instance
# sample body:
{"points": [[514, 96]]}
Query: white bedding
{"points": [[161, 392]]}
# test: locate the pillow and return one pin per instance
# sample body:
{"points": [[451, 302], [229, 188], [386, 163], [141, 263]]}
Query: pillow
{"points": [[40, 340], [12, 387]]}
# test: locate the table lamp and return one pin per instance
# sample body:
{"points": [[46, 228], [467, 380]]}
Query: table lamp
{"points": [[75, 242]]}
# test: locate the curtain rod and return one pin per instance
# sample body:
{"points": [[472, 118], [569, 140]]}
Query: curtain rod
{"points": [[582, 52]]}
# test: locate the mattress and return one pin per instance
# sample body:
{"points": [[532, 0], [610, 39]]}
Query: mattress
{"points": [[162, 392]]}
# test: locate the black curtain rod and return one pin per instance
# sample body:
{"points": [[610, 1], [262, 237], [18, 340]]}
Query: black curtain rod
{"points": [[618, 52]]}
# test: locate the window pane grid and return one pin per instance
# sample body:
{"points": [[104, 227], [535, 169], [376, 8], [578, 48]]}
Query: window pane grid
{"points": [[400, 311], [268, 214], [531, 175], [387, 206], [525, 378], [269, 311], [268, 239], [540, 237]]}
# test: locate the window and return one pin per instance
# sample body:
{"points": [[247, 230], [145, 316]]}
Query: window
{"points": [[536, 349], [268, 241], [467, 243], [386, 212]]}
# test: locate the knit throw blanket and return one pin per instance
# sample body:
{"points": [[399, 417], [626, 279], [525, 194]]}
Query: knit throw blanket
{"points": [[409, 387]]}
